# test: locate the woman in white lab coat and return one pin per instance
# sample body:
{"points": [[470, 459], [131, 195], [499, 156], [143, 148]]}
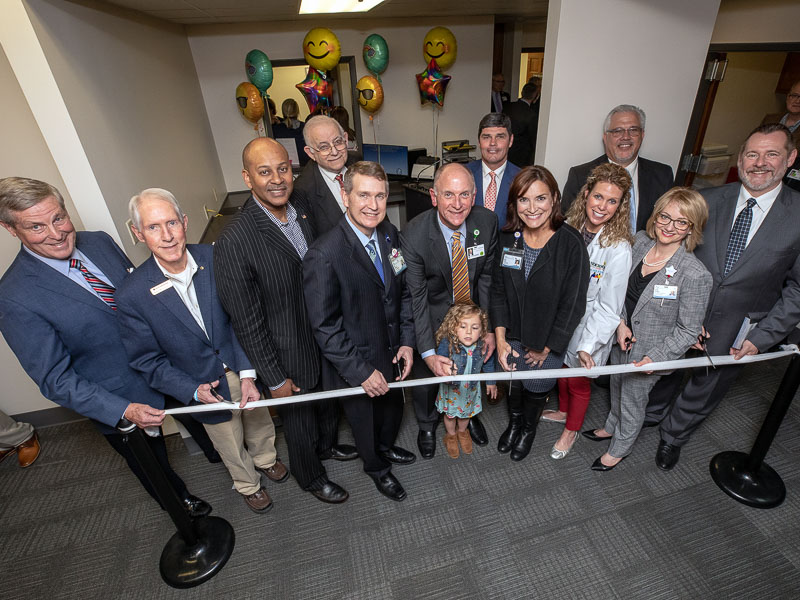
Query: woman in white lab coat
{"points": [[601, 212]]}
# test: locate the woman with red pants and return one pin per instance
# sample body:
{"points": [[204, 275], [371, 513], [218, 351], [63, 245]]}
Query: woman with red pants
{"points": [[601, 212]]}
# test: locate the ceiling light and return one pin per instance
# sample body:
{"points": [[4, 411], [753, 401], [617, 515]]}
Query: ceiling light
{"points": [[308, 7]]}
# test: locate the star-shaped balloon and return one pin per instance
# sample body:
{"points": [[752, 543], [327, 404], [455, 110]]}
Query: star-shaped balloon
{"points": [[316, 89], [432, 84]]}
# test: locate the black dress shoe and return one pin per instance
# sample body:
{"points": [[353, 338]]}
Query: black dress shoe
{"points": [[398, 455], [426, 442], [589, 434], [390, 487], [667, 456], [599, 466], [196, 507], [331, 493], [477, 431], [340, 452]]}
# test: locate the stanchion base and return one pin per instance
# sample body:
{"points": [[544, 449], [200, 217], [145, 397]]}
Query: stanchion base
{"points": [[184, 566], [760, 489]]}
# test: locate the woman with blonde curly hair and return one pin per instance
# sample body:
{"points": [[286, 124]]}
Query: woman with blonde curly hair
{"points": [[601, 212]]}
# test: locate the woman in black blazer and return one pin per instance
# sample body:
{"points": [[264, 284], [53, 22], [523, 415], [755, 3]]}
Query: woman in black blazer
{"points": [[538, 297]]}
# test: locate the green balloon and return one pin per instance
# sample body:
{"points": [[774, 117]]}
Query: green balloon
{"points": [[259, 70], [376, 54]]}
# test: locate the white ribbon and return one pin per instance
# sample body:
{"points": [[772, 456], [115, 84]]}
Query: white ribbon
{"points": [[667, 365]]}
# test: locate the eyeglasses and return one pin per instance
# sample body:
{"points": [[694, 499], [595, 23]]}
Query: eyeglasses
{"points": [[366, 94], [630, 131], [793, 97], [325, 148], [680, 224]]}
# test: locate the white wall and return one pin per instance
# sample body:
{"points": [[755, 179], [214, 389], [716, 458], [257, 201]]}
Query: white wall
{"points": [[599, 54], [219, 53], [745, 21], [131, 89]]}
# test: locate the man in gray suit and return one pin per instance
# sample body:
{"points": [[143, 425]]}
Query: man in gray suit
{"points": [[752, 249]]}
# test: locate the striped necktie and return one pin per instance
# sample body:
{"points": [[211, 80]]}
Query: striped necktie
{"points": [[101, 288], [460, 271], [376, 259]]}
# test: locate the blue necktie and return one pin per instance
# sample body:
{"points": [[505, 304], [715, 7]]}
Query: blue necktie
{"points": [[633, 210], [376, 259], [739, 233]]}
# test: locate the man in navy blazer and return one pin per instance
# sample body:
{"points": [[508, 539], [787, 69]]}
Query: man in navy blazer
{"points": [[360, 312], [493, 173], [178, 336], [64, 328]]}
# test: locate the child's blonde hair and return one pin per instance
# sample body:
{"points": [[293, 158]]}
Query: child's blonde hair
{"points": [[449, 326]]}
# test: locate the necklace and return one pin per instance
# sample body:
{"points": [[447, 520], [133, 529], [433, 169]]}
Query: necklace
{"points": [[654, 264]]}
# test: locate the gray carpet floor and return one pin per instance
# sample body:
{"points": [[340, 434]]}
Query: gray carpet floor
{"points": [[77, 525]]}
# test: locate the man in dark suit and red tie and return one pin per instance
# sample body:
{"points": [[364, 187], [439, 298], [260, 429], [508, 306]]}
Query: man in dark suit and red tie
{"points": [[258, 269], [751, 247], [360, 311]]}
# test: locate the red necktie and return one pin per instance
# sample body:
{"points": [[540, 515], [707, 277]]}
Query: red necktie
{"points": [[103, 289]]}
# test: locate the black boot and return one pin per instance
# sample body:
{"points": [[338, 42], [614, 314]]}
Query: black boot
{"points": [[532, 407], [510, 435]]}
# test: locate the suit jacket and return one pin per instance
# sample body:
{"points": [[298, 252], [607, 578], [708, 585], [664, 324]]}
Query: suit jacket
{"points": [[311, 187], [475, 167], [505, 98], [655, 178], [524, 125], [665, 329], [67, 339], [544, 309], [358, 322], [764, 283], [166, 345], [259, 279], [430, 274]]}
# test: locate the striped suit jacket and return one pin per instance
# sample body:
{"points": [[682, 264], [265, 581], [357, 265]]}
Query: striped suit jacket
{"points": [[259, 279]]}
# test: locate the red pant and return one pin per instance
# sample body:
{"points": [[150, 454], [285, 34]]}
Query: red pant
{"points": [[573, 398]]}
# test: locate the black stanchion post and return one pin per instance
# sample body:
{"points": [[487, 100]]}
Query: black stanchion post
{"points": [[745, 477], [200, 547]]}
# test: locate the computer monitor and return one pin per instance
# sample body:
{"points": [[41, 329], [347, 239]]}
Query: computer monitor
{"points": [[393, 159]]}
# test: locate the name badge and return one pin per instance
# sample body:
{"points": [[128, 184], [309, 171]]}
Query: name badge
{"points": [[397, 261], [597, 271], [794, 174], [512, 258], [667, 292], [475, 251], [157, 289]]}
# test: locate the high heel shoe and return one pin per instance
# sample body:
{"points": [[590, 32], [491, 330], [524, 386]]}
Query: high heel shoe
{"points": [[559, 454], [599, 466], [590, 434]]}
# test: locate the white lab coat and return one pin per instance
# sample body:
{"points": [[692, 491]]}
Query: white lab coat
{"points": [[610, 269]]}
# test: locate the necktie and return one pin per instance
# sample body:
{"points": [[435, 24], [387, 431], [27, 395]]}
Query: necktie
{"points": [[460, 271], [633, 209], [738, 239], [491, 192], [103, 289], [340, 179], [376, 258]]}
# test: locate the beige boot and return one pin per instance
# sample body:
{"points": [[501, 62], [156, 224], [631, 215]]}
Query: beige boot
{"points": [[465, 441], [451, 445]]}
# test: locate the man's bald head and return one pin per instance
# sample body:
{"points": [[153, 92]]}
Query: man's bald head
{"points": [[260, 144], [267, 171], [453, 194]]}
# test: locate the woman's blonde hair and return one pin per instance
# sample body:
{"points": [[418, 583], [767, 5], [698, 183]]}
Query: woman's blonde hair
{"points": [[449, 327], [694, 208], [618, 228]]}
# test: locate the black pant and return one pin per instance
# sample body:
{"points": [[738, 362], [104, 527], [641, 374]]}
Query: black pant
{"points": [[424, 396], [159, 448], [375, 423], [310, 429]]}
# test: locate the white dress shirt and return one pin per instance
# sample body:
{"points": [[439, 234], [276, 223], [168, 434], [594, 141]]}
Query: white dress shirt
{"points": [[763, 203], [498, 172], [333, 185]]}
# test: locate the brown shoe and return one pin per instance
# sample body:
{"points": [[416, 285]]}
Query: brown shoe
{"points": [[277, 472], [259, 502], [465, 441], [28, 451], [451, 445]]}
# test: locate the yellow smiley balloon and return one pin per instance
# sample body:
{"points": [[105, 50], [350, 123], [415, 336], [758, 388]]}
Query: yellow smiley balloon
{"points": [[440, 44], [370, 93], [321, 49]]}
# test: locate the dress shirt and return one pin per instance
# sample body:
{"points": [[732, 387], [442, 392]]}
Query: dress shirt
{"points": [[363, 239], [333, 185], [763, 203], [62, 266], [789, 127], [184, 286], [498, 176], [291, 229]]}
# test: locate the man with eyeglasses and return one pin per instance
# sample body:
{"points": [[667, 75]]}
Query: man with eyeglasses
{"points": [[791, 119], [751, 247], [623, 133], [499, 96], [434, 244], [320, 182]]}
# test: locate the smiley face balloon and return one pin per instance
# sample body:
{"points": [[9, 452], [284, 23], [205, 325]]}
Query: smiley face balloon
{"points": [[248, 99], [321, 49], [440, 45], [370, 93]]}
